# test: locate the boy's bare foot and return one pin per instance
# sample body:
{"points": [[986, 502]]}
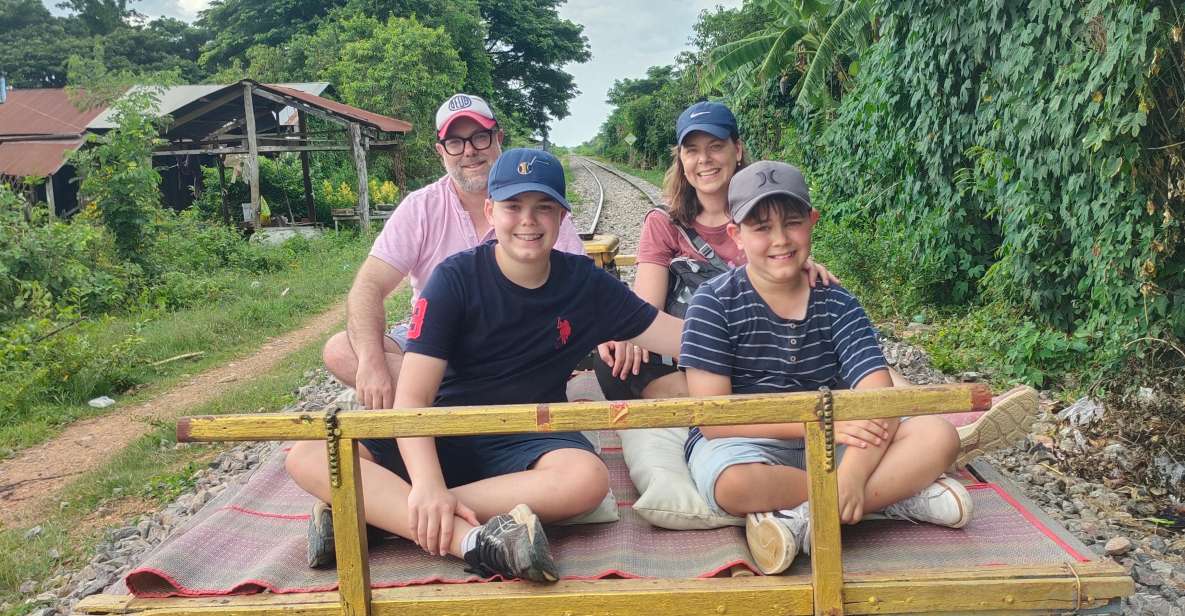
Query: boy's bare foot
{"points": [[1002, 426], [513, 545], [945, 503], [775, 538]]}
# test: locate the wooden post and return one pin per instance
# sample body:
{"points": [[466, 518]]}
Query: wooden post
{"points": [[252, 153], [222, 190], [826, 561], [360, 165], [303, 126], [349, 534], [49, 200]]}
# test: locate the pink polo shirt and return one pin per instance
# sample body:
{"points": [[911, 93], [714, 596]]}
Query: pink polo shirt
{"points": [[431, 225]]}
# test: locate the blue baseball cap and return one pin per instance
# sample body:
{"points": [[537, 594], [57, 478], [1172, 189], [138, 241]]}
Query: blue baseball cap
{"points": [[523, 170], [712, 118]]}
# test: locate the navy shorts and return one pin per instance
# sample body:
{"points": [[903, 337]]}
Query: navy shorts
{"points": [[466, 459]]}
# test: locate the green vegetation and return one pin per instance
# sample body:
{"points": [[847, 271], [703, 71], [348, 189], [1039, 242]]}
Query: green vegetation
{"points": [[141, 478], [1008, 176]]}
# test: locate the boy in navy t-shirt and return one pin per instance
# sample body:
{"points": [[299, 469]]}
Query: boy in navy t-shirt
{"points": [[762, 328], [503, 323]]}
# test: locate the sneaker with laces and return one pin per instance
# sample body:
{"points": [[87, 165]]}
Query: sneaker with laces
{"points": [[322, 550], [945, 503], [776, 537], [513, 545], [1002, 426]]}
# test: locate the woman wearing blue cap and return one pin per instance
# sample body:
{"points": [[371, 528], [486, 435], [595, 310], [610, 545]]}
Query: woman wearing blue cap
{"points": [[683, 245]]}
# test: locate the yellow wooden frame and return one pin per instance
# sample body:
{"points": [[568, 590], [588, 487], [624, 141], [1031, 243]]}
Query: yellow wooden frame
{"points": [[827, 590]]}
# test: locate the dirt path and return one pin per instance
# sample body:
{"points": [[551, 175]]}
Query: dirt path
{"points": [[30, 482]]}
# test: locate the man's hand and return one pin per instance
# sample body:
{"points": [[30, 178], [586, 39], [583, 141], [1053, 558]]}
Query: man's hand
{"points": [[623, 357], [862, 433], [376, 389], [430, 509]]}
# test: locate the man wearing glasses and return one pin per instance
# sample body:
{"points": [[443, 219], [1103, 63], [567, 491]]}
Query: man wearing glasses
{"points": [[430, 224]]}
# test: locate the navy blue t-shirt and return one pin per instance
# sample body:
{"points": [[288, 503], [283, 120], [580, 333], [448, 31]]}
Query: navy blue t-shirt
{"points": [[507, 344]]}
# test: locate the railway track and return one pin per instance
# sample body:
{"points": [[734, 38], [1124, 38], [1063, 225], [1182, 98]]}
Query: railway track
{"points": [[589, 165]]}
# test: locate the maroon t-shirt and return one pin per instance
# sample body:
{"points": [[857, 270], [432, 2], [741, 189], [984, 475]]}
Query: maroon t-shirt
{"points": [[661, 242]]}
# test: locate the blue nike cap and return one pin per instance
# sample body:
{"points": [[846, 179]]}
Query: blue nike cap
{"points": [[712, 118], [523, 170]]}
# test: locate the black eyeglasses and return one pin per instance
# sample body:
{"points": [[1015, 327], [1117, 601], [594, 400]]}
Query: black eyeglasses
{"points": [[479, 140]]}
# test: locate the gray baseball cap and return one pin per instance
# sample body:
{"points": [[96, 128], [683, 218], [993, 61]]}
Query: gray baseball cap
{"points": [[763, 179]]}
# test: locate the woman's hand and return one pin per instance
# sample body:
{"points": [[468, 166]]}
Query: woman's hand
{"points": [[816, 271], [624, 358]]}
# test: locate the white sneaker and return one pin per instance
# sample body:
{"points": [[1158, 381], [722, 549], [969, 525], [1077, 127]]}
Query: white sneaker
{"points": [[1002, 426], [775, 538], [945, 503]]}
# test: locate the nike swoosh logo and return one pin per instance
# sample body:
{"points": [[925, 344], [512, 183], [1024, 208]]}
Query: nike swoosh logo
{"points": [[695, 115]]}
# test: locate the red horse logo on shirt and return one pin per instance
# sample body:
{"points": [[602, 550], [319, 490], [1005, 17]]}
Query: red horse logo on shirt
{"points": [[563, 330], [417, 318]]}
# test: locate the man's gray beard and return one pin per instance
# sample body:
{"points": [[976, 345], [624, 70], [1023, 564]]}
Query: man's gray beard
{"points": [[468, 184]]}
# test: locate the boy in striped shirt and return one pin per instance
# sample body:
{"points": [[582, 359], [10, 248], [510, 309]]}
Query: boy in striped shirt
{"points": [[762, 328]]}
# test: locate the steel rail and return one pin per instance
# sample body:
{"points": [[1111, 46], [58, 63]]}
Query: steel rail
{"points": [[592, 230], [601, 188]]}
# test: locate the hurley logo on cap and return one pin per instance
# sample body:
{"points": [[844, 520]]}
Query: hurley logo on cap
{"points": [[459, 102], [767, 177]]}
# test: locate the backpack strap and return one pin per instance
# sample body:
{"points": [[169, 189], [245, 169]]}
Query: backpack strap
{"points": [[701, 246]]}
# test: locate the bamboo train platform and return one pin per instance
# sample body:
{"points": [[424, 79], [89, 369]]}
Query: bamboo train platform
{"points": [[826, 583]]}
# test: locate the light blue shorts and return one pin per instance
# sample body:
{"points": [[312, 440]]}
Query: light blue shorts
{"points": [[398, 335], [710, 457]]}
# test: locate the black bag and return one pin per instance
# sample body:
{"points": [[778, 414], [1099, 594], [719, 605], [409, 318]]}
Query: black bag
{"points": [[687, 274]]}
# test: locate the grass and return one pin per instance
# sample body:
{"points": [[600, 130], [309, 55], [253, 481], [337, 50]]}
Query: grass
{"points": [[140, 479], [249, 310], [575, 199]]}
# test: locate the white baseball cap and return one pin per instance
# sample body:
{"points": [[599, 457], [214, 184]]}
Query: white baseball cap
{"points": [[464, 106]]}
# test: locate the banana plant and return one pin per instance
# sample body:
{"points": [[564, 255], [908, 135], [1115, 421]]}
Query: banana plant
{"points": [[820, 31]]}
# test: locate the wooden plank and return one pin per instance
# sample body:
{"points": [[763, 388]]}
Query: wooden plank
{"points": [[349, 533], [300, 105], [49, 197], [756, 596], [570, 416], [263, 149], [222, 190], [826, 555], [204, 109], [625, 260], [302, 123], [252, 154], [363, 185]]}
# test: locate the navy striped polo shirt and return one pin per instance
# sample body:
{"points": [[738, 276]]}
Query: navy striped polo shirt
{"points": [[730, 330]]}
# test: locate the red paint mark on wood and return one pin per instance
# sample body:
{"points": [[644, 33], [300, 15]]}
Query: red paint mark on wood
{"points": [[543, 417]]}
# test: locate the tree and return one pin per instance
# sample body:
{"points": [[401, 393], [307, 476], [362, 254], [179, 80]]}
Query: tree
{"points": [[529, 42], [807, 37], [100, 16], [36, 44], [238, 25]]}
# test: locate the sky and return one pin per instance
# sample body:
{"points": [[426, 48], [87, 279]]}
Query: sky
{"points": [[626, 37]]}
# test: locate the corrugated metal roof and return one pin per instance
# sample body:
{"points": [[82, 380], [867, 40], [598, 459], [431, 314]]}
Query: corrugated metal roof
{"points": [[40, 158], [176, 97], [43, 112], [381, 122]]}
